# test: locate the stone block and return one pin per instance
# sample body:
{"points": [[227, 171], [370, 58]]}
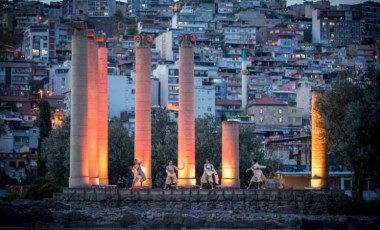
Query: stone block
{"points": [[311, 224], [221, 224], [193, 222], [128, 219], [288, 209], [258, 224]]}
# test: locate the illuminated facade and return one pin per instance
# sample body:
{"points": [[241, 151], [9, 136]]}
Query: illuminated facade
{"points": [[230, 154], [186, 113], [319, 167], [92, 116], [102, 112], [143, 105], [78, 126]]}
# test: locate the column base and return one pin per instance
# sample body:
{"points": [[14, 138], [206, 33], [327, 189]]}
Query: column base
{"points": [[79, 182], [230, 183], [103, 181], [319, 183], [186, 182], [94, 180]]}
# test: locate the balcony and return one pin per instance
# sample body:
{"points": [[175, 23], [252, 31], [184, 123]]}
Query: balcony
{"points": [[306, 170]]}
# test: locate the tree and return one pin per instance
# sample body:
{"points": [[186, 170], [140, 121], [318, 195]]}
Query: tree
{"points": [[56, 153], [118, 16], [44, 119], [44, 123], [131, 31], [120, 153], [351, 112]]}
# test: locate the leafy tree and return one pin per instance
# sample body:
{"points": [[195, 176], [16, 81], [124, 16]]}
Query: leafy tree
{"points": [[44, 123], [308, 35], [164, 146], [56, 154], [120, 153], [131, 31], [44, 119], [351, 112], [118, 16]]}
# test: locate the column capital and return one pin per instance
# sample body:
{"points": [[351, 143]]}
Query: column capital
{"points": [[143, 40], [187, 40]]}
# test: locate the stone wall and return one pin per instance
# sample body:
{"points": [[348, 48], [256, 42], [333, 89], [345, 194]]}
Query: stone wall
{"points": [[270, 201], [184, 209]]}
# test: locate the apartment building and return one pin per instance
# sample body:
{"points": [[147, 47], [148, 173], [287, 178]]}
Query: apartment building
{"points": [[337, 27]]}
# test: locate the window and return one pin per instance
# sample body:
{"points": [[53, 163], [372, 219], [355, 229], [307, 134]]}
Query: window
{"points": [[280, 119], [280, 111], [261, 111], [261, 119], [132, 91]]}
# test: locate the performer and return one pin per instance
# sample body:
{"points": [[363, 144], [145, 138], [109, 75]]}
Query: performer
{"points": [[208, 172], [258, 175], [138, 173], [171, 177]]}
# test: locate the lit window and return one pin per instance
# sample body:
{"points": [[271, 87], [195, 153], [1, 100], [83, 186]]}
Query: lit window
{"points": [[261, 111], [280, 111], [280, 119], [261, 119]]}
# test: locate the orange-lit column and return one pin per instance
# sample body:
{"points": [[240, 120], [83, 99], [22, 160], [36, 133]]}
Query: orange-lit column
{"points": [[319, 167], [78, 126], [143, 106], [186, 114], [93, 84], [102, 112], [230, 154]]}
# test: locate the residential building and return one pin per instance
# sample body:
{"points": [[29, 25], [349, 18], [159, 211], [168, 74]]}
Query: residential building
{"points": [[15, 75], [337, 27], [59, 80], [101, 8], [270, 114]]}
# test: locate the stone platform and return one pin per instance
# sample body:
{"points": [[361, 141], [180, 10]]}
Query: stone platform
{"points": [[273, 201]]}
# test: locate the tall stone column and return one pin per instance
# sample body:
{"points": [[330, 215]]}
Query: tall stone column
{"points": [[93, 85], [230, 154], [143, 105], [78, 126], [186, 113], [102, 111], [319, 166]]}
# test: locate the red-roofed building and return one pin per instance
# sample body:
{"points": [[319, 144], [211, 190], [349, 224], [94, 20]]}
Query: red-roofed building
{"points": [[228, 108], [268, 113]]}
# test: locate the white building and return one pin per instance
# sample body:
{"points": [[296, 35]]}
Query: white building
{"points": [[59, 81], [236, 35], [35, 45], [121, 94], [169, 89], [304, 97], [101, 8]]}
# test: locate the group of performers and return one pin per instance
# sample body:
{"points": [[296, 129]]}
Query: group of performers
{"points": [[210, 175]]}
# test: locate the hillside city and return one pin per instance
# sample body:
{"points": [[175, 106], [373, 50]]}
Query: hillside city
{"points": [[288, 50]]}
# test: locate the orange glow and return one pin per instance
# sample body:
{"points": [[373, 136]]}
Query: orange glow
{"points": [[143, 112], [319, 169], [230, 154], [186, 118], [172, 106], [92, 101], [100, 40], [103, 117], [58, 119], [90, 34]]}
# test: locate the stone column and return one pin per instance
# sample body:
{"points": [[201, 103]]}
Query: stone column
{"points": [[92, 117], [143, 105], [78, 126], [319, 166], [102, 111], [230, 154], [186, 114]]}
